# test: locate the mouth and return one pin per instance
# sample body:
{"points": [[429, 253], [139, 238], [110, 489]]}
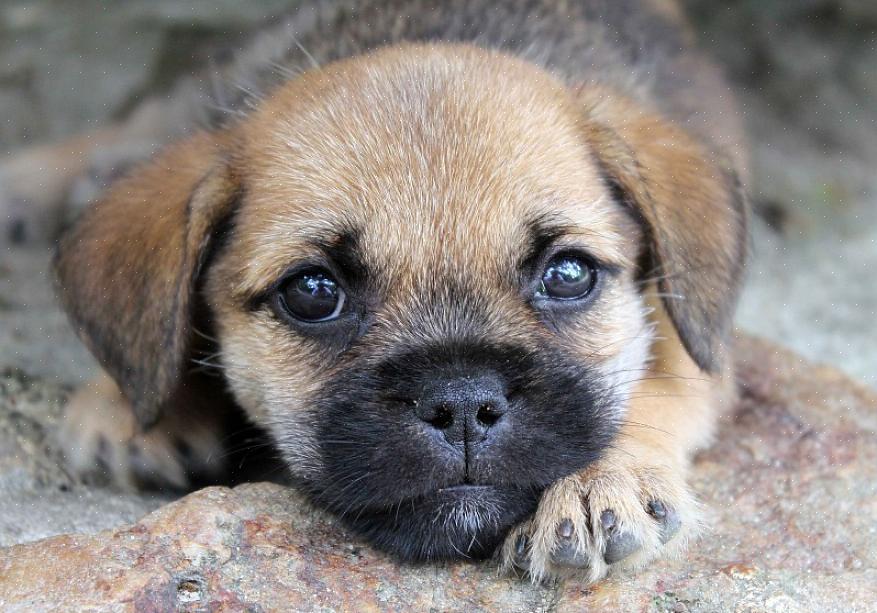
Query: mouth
{"points": [[460, 521]]}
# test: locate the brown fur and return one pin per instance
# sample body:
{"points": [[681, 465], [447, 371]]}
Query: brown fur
{"points": [[132, 262], [437, 156]]}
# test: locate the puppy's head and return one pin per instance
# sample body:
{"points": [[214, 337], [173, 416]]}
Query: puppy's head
{"points": [[424, 269]]}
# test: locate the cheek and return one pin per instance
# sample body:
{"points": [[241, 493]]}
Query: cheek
{"points": [[272, 379], [616, 337], [628, 366]]}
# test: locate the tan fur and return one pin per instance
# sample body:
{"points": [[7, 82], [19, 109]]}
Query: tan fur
{"points": [[132, 261], [436, 154], [677, 184], [102, 441], [673, 409]]}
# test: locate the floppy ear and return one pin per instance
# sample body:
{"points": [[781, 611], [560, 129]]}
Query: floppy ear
{"points": [[693, 211], [127, 270]]}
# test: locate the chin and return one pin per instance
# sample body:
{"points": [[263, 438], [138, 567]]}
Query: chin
{"points": [[452, 523]]}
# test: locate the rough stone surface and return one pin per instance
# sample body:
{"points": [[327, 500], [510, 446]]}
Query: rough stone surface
{"points": [[35, 336], [790, 487], [37, 496], [70, 65]]}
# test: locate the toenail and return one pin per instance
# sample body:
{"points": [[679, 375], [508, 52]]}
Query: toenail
{"points": [[670, 525], [520, 559]]}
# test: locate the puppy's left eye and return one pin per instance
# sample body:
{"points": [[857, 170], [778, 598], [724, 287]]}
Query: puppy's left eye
{"points": [[567, 277], [312, 296]]}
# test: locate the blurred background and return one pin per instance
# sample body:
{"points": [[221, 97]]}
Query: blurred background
{"points": [[805, 70]]}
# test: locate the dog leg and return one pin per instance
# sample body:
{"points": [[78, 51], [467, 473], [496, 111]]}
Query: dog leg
{"points": [[35, 183]]}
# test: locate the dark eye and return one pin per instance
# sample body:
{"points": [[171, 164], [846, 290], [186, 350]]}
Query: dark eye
{"points": [[567, 277], [312, 295]]}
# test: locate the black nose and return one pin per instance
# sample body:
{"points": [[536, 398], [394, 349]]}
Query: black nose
{"points": [[462, 408]]}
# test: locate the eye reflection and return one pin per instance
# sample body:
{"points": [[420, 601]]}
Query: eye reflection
{"points": [[566, 277], [313, 296]]}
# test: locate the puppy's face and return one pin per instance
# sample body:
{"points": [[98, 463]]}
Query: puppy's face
{"points": [[429, 285], [429, 296]]}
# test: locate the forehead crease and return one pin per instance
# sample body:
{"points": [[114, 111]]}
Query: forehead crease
{"points": [[604, 228]]}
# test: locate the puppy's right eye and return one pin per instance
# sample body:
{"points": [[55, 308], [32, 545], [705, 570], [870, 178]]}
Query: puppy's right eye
{"points": [[312, 296]]}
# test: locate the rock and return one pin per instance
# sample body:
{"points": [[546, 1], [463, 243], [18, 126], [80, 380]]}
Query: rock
{"points": [[37, 497], [790, 486], [66, 68]]}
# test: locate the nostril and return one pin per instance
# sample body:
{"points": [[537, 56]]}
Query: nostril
{"points": [[488, 414], [462, 408], [443, 419]]}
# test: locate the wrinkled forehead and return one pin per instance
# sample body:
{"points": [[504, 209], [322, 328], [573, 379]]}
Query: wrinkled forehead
{"points": [[428, 164]]}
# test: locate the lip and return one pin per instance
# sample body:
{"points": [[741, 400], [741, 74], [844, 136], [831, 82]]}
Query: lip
{"points": [[459, 521]]}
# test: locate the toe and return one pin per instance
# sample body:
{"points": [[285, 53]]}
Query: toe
{"points": [[566, 551], [155, 467], [619, 544], [667, 518]]}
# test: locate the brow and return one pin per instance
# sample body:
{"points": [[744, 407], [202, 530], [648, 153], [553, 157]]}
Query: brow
{"points": [[337, 251], [343, 251], [544, 231], [540, 233]]}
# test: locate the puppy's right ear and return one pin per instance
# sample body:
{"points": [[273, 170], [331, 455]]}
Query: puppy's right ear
{"points": [[128, 269]]}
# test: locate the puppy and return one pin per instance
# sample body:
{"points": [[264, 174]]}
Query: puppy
{"points": [[473, 271]]}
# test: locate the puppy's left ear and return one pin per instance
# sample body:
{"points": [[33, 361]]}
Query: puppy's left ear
{"points": [[129, 267], [693, 211]]}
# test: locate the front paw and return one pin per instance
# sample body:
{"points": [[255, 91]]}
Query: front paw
{"points": [[616, 514], [102, 444]]}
